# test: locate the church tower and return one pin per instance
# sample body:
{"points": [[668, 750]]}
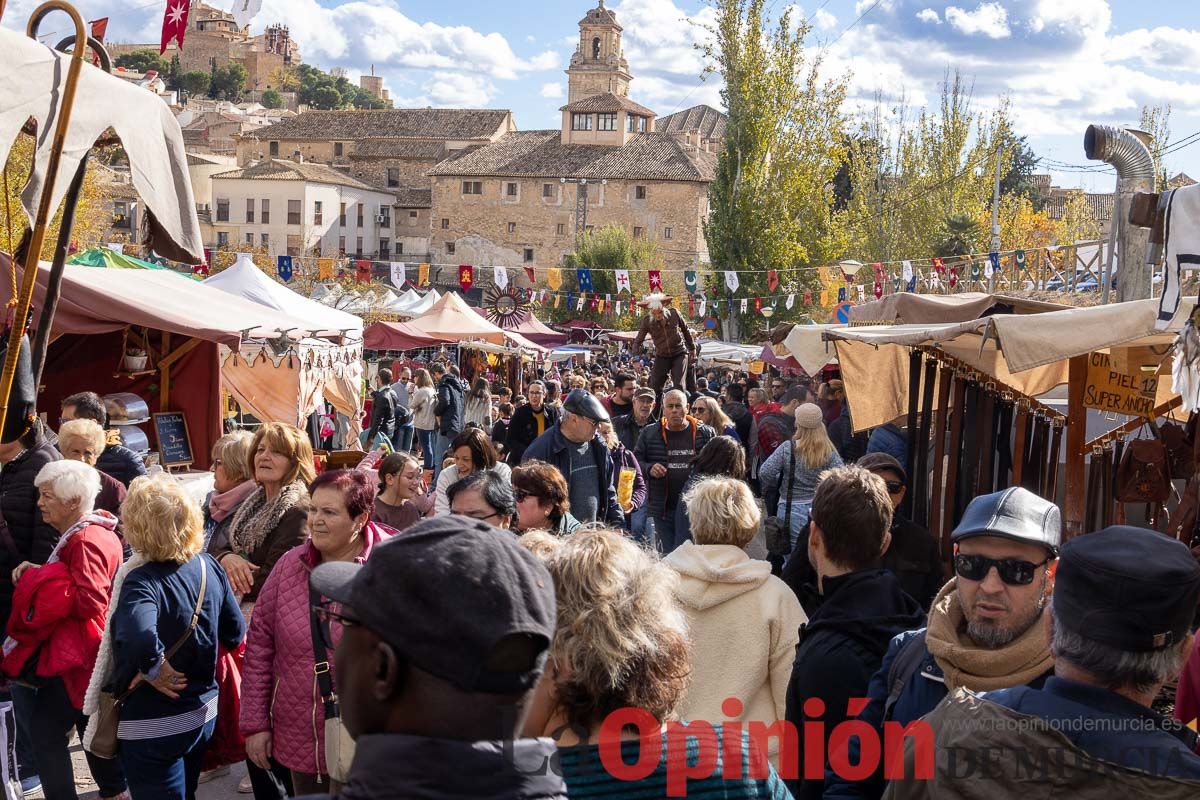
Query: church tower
{"points": [[598, 65]]}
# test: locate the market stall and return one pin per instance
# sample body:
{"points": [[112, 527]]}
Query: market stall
{"points": [[398, 336], [153, 334], [976, 396]]}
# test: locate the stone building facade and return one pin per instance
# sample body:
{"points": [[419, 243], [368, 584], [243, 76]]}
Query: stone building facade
{"points": [[516, 202]]}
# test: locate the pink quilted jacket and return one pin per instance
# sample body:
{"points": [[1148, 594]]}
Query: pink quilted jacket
{"points": [[279, 686]]}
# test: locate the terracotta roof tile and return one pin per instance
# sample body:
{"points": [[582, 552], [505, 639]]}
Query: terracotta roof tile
{"points": [[647, 156], [396, 123], [607, 102], [398, 148], [278, 170], [412, 197], [705, 120]]}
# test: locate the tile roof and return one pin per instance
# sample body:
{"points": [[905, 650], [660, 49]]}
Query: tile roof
{"points": [[398, 148], [1100, 205], [394, 123], [607, 102], [647, 156], [279, 170], [412, 197], [705, 120]]}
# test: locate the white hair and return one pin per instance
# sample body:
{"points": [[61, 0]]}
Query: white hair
{"points": [[72, 482], [655, 301]]}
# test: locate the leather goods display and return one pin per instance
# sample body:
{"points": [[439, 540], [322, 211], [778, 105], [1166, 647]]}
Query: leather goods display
{"points": [[915, 359], [920, 482], [950, 508], [1181, 460], [945, 384]]}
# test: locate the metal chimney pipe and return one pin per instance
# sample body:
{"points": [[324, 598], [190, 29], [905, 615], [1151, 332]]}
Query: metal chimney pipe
{"points": [[1128, 152]]}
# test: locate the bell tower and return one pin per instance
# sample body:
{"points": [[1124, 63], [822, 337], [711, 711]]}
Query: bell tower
{"points": [[598, 65]]}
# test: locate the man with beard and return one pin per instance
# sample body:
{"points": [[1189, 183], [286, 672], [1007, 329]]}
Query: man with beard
{"points": [[986, 630]]}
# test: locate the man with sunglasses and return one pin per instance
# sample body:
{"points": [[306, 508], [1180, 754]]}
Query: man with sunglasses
{"points": [[986, 629], [1120, 625], [436, 701]]}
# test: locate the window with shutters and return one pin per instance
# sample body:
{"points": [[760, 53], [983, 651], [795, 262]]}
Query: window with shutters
{"points": [[250, 209], [222, 211], [393, 177], [668, 233], [294, 212], [360, 218], [445, 224], [274, 149], [338, 149], [510, 190], [548, 190], [639, 193], [266, 211], [342, 216], [528, 255], [449, 248], [318, 212], [472, 187], [560, 229]]}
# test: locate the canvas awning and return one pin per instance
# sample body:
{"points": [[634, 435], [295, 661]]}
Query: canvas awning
{"points": [[451, 318], [247, 281], [103, 300], [398, 336]]}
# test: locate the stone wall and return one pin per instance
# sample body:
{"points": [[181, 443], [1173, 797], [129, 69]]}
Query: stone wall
{"points": [[479, 225], [412, 171]]}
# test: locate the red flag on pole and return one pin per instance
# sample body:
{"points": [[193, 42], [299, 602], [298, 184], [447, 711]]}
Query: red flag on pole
{"points": [[654, 277], [363, 270], [99, 28], [529, 274], [466, 277], [174, 24]]}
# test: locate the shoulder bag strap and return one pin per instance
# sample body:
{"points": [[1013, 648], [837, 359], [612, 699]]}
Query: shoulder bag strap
{"points": [[787, 517], [186, 634], [321, 655]]}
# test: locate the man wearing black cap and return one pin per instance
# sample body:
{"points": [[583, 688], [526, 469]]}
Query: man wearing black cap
{"points": [[444, 636], [1120, 626], [985, 630], [583, 459]]}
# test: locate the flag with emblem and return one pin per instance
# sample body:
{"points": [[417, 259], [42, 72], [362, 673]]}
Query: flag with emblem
{"points": [[283, 265], [500, 277], [772, 280], [841, 294], [422, 275], [175, 24], [689, 281], [731, 280], [623, 282], [878, 288], [580, 302], [994, 262], [953, 277], [554, 278], [399, 278], [758, 305], [1019, 259], [583, 277], [807, 299], [654, 277], [466, 276], [702, 307], [362, 269], [745, 305]]}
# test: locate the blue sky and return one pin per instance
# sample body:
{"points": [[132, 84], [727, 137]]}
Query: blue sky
{"points": [[1061, 63]]}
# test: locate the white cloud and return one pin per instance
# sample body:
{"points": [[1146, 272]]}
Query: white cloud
{"points": [[824, 21], [552, 90], [990, 19], [1173, 49], [929, 15], [456, 90]]}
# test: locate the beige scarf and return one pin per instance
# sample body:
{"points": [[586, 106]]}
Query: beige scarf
{"points": [[981, 669], [257, 517]]}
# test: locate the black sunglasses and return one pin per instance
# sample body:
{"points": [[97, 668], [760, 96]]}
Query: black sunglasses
{"points": [[326, 614], [1012, 571]]}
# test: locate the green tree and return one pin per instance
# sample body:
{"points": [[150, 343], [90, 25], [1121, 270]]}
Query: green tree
{"points": [[174, 77], [1022, 164], [144, 61], [272, 99], [961, 235], [771, 201], [196, 83], [229, 82], [1156, 121]]}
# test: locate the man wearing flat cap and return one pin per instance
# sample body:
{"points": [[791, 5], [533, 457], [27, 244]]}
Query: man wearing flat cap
{"points": [[583, 458], [986, 629], [444, 635], [1120, 628]]}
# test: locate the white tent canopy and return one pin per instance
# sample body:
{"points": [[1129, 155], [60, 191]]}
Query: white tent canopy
{"points": [[404, 301], [731, 352], [248, 281], [419, 305]]}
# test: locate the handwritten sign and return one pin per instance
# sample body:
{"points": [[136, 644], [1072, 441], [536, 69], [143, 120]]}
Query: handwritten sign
{"points": [[174, 444], [1117, 392]]}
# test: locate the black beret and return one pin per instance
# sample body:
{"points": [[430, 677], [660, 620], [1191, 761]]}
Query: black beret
{"points": [[583, 403], [1127, 587]]}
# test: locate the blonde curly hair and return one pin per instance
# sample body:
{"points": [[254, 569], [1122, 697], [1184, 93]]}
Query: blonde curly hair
{"points": [[161, 521], [621, 636]]}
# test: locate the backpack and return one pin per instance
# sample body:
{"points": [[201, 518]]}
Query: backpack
{"points": [[1181, 461], [1143, 474]]}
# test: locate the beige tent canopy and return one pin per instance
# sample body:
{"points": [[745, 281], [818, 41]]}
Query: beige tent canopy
{"points": [[1029, 352], [452, 318]]}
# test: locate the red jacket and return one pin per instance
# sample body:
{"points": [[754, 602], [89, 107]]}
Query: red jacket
{"points": [[64, 606]]}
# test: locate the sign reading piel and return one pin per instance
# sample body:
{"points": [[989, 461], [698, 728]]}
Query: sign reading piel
{"points": [[1118, 392]]}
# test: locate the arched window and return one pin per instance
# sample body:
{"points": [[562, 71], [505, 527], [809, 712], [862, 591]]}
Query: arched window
{"points": [[596, 48]]}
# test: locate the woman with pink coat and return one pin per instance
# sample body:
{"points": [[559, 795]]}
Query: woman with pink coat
{"points": [[283, 714]]}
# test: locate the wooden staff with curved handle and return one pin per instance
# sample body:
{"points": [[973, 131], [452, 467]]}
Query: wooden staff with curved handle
{"points": [[45, 210]]}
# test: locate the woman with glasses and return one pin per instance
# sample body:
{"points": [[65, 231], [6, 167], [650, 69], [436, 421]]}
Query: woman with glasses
{"points": [[709, 412], [543, 499], [282, 714], [473, 452], [485, 497], [233, 482]]}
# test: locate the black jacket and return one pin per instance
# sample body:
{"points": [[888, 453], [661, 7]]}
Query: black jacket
{"points": [[122, 463], [551, 447], [449, 406], [851, 446], [651, 449], [739, 414], [628, 430], [29, 537], [401, 767], [912, 556], [523, 430], [841, 647], [383, 414]]}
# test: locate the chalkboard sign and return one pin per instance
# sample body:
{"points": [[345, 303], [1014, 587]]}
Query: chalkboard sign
{"points": [[174, 444]]}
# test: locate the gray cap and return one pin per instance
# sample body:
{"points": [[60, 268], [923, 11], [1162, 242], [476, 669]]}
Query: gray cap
{"points": [[583, 403], [1016, 514]]}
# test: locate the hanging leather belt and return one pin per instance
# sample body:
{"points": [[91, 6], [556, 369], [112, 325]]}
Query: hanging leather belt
{"points": [[914, 398], [938, 497], [1094, 513], [1035, 464], [1020, 443], [987, 442], [1004, 461], [954, 464], [920, 482], [1118, 513], [1052, 462], [1109, 488]]}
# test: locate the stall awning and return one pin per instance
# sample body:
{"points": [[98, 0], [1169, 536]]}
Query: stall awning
{"points": [[247, 281], [451, 318], [398, 336]]}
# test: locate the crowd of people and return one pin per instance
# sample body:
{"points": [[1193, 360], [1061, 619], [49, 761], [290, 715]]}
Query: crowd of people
{"points": [[577, 587]]}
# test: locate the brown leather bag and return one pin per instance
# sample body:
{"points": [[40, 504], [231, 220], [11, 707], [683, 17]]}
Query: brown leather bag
{"points": [[1143, 476], [1182, 523], [1181, 459]]}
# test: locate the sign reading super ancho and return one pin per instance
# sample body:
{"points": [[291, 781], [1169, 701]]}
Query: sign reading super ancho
{"points": [[1109, 390]]}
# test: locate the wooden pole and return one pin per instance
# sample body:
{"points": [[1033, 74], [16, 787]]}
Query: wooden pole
{"points": [[1074, 505], [164, 366]]}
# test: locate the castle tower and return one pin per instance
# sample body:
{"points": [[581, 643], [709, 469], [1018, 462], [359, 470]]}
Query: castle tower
{"points": [[598, 65]]}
